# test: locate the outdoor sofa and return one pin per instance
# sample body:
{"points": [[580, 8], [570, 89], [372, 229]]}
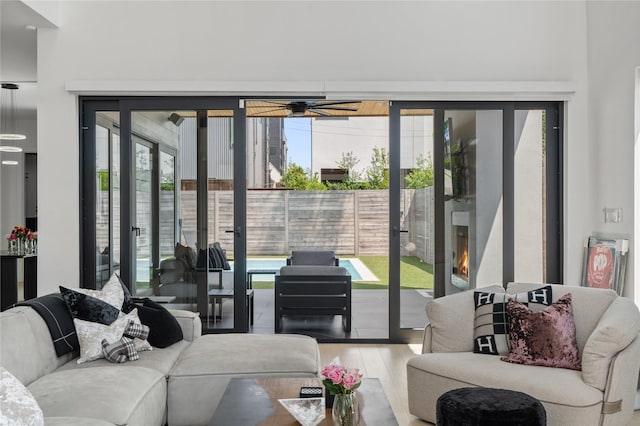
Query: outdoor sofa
{"points": [[181, 384], [607, 337]]}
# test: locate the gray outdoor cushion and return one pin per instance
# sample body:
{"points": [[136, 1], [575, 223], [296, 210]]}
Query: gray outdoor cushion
{"points": [[313, 257], [313, 270]]}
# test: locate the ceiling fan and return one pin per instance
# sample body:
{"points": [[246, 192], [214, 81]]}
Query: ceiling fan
{"points": [[300, 108]]}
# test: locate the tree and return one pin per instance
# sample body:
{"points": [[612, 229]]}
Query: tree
{"points": [[294, 177], [422, 176], [297, 178], [353, 179], [378, 171]]}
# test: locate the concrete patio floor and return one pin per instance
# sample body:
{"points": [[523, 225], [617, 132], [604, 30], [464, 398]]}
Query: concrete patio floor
{"points": [[369, 316]]}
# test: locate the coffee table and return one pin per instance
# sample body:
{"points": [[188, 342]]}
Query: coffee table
{"points": [[248, 402]]}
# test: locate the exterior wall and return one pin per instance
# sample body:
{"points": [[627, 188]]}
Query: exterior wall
{"points": [[429, 50]]}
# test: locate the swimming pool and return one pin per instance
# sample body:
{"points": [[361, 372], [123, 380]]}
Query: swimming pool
{"points": [[357, 269]]}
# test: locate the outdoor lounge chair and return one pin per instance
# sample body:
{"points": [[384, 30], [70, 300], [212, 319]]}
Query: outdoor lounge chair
{"points": [[305, 290], [313, 257]]}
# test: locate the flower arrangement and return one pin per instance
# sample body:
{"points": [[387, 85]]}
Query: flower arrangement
{"points": [[22, 239], [341, 380]]}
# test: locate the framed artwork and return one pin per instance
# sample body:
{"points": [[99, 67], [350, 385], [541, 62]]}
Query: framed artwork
{"points": [[604, 263]]}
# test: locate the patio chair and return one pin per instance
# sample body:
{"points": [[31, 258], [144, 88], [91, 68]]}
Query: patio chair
{"points": [[313, 257], [305, 290], [176, 275]]}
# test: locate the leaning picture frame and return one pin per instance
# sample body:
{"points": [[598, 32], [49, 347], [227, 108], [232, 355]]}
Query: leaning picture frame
{"points": [[604, 263]]}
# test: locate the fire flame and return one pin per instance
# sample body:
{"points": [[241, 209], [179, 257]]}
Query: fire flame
{"points": [[463, 265]]}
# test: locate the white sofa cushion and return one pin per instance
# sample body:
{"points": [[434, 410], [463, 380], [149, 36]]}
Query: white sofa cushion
{"points": [[451, 320], [588, 305], [618, 327], [117, 394]]}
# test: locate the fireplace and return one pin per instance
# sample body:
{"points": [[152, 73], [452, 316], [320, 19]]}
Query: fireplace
{"points": [[460, 249]]}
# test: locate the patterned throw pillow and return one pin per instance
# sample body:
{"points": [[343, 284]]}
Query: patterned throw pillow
{"points": [[546, 338], [111, 292], [490, 333], [90, 333], [88, 308], [19, 407]]}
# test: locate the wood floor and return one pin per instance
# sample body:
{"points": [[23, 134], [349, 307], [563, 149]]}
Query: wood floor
{"points": [[387, 363]]}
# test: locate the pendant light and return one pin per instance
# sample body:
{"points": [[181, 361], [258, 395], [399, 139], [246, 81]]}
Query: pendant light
{"points": [[8, 123]]}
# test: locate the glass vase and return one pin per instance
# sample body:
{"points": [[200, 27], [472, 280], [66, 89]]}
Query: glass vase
{"points": [[346, 410]]}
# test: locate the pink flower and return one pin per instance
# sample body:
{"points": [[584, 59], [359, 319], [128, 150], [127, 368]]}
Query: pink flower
{"points": [[341, 380], [333, 373], [351, 378]]}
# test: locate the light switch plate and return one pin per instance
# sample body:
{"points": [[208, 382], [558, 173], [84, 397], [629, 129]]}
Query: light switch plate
{"points": [[612, 214]]}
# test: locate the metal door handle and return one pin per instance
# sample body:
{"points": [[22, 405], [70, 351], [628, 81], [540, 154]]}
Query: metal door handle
{"points": [[234, 231], [136, 230], [397, 231]]}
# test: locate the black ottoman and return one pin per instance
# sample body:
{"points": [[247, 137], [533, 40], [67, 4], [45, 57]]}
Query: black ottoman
{"points": [[488, 407]]}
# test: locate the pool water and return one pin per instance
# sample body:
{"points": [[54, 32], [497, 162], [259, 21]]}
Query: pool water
{"points": [[276, 264]]}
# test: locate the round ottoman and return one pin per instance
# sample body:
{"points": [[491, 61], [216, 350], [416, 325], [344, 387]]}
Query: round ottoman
{"points": [[488, 407]]}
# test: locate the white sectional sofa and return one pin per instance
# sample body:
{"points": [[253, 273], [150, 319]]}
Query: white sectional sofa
{"points": [[179, 385], [602, 393]]}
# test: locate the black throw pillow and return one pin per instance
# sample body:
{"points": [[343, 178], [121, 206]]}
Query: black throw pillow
{"points": [[89, 308], [202, 260], [164, 329]]}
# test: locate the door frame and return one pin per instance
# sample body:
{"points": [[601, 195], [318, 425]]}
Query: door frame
{"points": [[553, 195], [90, 105]]}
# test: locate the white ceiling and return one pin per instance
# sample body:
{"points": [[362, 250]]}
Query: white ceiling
{"points": [[18, 53]]}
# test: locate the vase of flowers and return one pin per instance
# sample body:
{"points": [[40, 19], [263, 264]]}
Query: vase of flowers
{"points": [[342, 382], [21, 240]]}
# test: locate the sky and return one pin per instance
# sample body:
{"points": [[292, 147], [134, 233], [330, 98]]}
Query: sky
{"points": [[298, 132]]}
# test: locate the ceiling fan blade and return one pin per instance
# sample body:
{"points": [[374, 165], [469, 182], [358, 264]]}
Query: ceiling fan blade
{"points": [[320, 104], [266, 112], [281, 103], [336, 108], [317, 111]]}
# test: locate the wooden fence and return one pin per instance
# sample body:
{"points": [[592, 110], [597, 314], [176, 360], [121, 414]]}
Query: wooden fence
{"points": [[349, 222]]}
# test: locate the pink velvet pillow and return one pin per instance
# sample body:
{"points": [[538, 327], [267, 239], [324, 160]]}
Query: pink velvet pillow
{"points": [[546, 338]]}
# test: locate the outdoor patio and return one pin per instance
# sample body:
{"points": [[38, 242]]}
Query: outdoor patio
{"points": [[369, 316]]}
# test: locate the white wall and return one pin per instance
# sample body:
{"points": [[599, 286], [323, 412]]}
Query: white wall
{"points": [[614, 56], [238, 45]]}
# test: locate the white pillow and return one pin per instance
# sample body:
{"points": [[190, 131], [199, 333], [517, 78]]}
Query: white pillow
{"points": [[19, 407], [111, 292], [90, 335]]}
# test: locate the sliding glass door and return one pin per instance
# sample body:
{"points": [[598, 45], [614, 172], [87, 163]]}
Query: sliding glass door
{"points": [[161, 220], [475, 201]]}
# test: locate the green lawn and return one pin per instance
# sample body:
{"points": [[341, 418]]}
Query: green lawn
{"points": [[413, 274]]}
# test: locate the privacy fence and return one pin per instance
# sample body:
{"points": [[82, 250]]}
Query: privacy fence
{"points": [[354, 222]]}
